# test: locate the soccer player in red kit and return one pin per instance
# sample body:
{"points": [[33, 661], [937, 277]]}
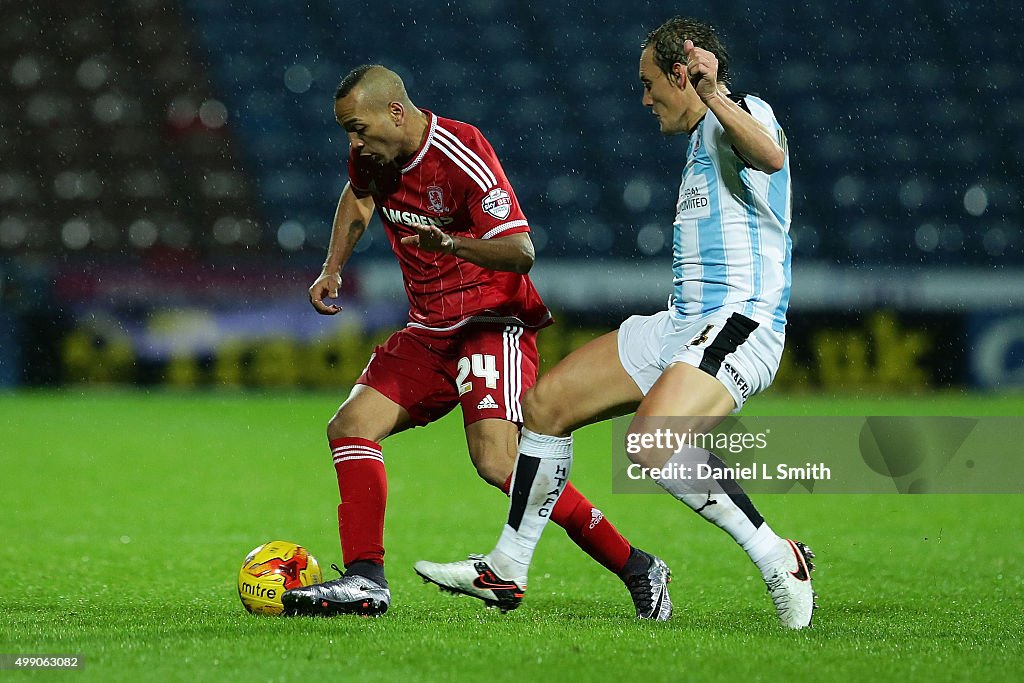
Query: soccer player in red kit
{"points": [[464, 247]]}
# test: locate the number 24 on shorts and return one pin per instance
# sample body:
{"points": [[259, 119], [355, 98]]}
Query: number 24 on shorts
{"points": [[482, 366]]}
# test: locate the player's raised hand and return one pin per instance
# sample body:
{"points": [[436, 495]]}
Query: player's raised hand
{"points": [[702, 70], [326, 286], [430, 238]]}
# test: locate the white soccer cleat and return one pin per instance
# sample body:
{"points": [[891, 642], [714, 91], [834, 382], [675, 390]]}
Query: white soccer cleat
{"points": [[789, 584], [476, 578]]}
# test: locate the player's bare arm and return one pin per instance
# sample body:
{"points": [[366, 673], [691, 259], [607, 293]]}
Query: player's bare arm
{"points": [[752, 140], [513, 253], [350, 221]]}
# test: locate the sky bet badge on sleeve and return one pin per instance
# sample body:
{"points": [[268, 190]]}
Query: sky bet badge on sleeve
{"points": [[498, 203]]}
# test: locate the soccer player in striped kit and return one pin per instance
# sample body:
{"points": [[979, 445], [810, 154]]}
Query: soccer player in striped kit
{"points": [[719, 342], [463, 243]]}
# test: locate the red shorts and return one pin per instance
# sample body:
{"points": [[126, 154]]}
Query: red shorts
{"points": [[484, 368]]}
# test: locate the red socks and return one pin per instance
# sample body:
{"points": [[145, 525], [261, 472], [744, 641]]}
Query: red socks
{"points": [[588, 528], [363, 485]]}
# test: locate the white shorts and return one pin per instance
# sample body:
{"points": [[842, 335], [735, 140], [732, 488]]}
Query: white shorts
{"points": [[740, 353]]}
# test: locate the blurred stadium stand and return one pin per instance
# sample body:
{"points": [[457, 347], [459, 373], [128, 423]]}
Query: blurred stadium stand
{"points": [[207, 127], [114, 143], [171, 138]]}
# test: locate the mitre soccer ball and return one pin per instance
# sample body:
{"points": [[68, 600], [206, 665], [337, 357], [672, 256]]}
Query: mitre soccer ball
{"points": [[270, 570]]}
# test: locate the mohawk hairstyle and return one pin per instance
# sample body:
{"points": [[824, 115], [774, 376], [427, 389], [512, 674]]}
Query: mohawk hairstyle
{"points": [[351, 80]]}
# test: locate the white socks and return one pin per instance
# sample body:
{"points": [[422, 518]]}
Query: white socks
{"points": [[542, 471], [723, 503], [540, 476]]}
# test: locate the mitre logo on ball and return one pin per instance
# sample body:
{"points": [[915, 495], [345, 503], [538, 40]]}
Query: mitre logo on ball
{"points": [[498, 203]]}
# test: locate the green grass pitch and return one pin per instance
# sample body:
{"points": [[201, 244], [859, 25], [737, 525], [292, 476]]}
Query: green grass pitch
{"points": [[124, 518]]}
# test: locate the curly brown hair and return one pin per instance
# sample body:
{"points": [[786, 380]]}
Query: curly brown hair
{"points": [[667, 42]]}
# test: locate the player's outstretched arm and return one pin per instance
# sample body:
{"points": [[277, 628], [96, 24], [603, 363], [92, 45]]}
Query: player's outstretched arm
{"points": [[752, 140], [513, 253], [350, 221]]}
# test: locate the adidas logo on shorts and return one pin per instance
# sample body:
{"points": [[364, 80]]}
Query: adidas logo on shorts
{"points": [[487, 402]]}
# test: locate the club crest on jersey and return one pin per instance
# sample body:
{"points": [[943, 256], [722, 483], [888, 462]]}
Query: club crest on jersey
{"points": [[497, 203], [435, 197]]}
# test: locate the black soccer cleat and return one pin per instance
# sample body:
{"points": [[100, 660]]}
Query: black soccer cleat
{"points": [[351, 594], [649, 589]]}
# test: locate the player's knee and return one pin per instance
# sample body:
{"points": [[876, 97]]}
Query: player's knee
{"points": [[646, 457], [493, 445], [643, 457], [494, 473], [338, 427], [493, 458], [544, 413], [346, 424]]}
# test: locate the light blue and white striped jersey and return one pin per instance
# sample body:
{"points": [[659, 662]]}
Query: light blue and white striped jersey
{"points": [[731, 244]]}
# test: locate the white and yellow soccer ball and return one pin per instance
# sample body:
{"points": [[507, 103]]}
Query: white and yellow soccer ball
{"points": [[271, 569]]}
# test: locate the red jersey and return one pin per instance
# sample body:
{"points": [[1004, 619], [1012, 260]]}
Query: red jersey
{"points": [[455, 182]]}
